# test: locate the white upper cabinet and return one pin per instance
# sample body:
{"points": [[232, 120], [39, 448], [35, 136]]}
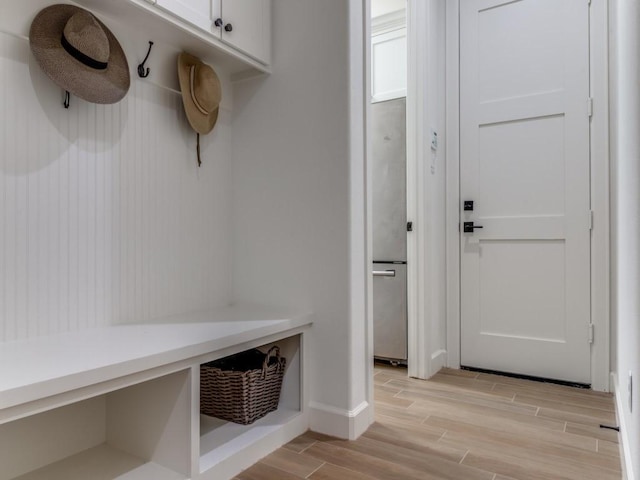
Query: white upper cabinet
{"points": [[196, 12], [245, 25]]}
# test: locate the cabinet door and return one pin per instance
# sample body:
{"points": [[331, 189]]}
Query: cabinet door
{"points": [[196, 12], [247, 27], [389, 65]]}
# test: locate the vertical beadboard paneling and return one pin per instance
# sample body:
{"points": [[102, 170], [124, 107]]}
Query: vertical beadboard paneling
{"points": [[105, 217]]}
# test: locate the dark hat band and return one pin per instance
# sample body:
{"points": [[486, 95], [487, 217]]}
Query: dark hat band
{"points": [[81, 57]]}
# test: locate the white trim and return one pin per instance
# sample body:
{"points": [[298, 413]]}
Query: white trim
{"points": [[383, 97], [338, 422], [452, 200], [419, 358], [625, 449], [600, 164], [438, 360], [360, 366], [370, 384], [600, 274], [389, 22]]}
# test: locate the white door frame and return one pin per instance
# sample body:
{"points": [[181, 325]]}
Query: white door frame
{"points": [[425, 187], [600, 261], [418, 349]]}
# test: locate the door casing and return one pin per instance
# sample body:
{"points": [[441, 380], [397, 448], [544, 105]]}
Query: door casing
{"points": [[599, 143]]}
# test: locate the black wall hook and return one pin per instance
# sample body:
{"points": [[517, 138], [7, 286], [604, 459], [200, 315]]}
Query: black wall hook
{"points": [[67, 99], [142, 73]]}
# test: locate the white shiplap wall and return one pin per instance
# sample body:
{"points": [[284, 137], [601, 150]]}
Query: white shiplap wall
{"points": [[104, 215]]}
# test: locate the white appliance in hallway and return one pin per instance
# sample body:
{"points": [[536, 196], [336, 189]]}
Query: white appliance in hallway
{"points": [[388, 120]]}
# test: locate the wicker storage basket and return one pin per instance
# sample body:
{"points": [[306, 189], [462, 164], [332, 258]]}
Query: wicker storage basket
{"points": [[233, 389]]}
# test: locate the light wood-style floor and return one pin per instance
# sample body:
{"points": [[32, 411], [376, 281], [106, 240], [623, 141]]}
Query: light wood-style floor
{"points": [[462, 426]]}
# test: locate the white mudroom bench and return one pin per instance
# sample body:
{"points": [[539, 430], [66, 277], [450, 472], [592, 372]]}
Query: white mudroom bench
{"points": [[123, 401]]}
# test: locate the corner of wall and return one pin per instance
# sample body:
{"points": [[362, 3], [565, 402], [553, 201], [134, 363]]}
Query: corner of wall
{"points": [[438, 361], [626, 459], [337, 422]]}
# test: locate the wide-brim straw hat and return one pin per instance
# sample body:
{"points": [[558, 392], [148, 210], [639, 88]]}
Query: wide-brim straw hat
{"points": [[201, 92], [80, 54]]}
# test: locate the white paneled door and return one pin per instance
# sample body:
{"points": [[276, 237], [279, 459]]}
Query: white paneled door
{"points": [[525, 269]]}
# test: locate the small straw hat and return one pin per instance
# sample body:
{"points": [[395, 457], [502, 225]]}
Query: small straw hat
{"points": [[80, 54], [201, 92]]}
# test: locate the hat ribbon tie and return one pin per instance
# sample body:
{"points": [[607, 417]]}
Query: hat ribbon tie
{"points": [[192, 77], [81, 57]]}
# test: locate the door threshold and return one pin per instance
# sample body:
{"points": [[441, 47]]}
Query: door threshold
{"points": [[585, 386]]}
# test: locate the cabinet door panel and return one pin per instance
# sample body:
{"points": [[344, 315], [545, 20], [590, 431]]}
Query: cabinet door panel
{"points": [[196, 12], [249, 21]]}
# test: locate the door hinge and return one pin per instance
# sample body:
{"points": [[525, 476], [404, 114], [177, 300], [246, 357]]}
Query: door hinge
{"points": [[590, 333], [590, 107], [590, 219]]}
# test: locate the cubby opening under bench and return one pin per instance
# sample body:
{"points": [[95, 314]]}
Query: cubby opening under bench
{"points": [[124, 401]]}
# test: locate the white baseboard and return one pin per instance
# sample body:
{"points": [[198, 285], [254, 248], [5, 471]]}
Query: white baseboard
{"points": [[438, 361], [338, 422], [625, 451]]}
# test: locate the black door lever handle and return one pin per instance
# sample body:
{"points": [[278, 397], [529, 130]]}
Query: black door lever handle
{"points": [[469, 227]]}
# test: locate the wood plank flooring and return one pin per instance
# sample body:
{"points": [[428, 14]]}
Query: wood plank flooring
{"points": [[462, 426]]}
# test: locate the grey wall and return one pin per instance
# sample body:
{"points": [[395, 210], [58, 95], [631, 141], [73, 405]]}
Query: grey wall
{"points": [[625, 152], [292, 200]]}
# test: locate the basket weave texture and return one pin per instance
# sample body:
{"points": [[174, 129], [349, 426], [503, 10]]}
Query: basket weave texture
{"points": [[242, 396]]}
